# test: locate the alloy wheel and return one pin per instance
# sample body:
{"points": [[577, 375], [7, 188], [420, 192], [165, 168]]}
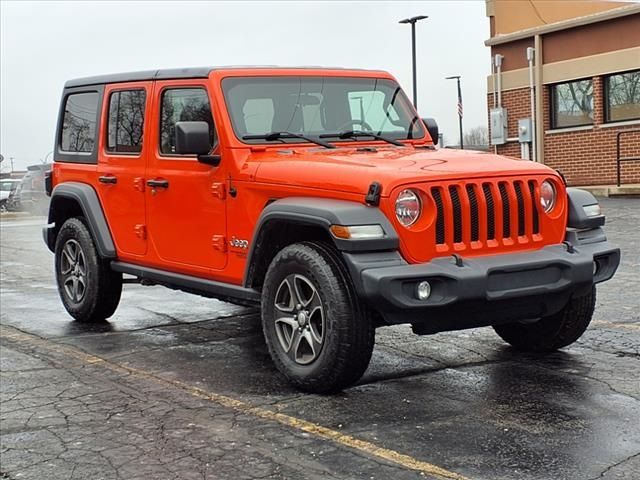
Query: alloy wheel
{"points": [[300, 320]]}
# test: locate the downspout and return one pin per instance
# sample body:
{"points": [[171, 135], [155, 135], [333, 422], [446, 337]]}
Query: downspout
{"points": [[537, 44], [532, 93], [498, 60]]}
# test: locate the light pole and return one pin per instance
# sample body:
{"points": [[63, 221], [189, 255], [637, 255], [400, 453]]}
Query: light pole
{"points": [[457, 78], [47, 156], [413, 21]]}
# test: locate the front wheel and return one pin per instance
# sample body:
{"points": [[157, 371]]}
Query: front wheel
{"points": [[552, 332], [318, 335], [89, 289]]}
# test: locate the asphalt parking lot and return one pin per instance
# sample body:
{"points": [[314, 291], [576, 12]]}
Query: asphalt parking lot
{"points": [[178, 386]]}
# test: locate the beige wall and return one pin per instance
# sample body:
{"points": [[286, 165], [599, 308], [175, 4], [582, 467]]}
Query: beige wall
{"points": [[507, 16]]}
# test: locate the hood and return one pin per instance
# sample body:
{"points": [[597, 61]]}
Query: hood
{"points": [[354, 169]]}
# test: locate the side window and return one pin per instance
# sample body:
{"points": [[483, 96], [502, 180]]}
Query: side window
{"points": [[126, 121], [79, 123], [183, 105]]}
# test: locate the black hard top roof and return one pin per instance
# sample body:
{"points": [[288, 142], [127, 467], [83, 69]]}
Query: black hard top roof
{"points": [[174, 73]]}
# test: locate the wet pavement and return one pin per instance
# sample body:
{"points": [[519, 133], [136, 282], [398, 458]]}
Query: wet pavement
{"points": [[178, 386]]}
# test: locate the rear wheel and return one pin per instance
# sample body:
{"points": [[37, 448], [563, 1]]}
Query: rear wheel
{"points": [[317, 333], [552, 332], [89, 289]]}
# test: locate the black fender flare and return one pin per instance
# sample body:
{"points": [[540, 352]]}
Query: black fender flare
{"points": [[323, 212], [577, 200], [87, 198]]}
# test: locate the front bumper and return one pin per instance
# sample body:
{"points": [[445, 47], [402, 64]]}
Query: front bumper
{"points": [[484, 290]]}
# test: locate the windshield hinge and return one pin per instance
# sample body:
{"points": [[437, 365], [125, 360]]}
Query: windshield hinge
{"points": [[373, 195]]}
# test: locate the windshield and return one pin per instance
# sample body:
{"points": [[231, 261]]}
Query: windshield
{"points": [[8, 186], [315, 106]]}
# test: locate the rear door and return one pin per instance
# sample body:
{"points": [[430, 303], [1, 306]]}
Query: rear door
{"points": [[122, 164], [185, 198]]}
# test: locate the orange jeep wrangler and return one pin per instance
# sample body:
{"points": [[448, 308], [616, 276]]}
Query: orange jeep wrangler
{"points": [[317, 195]]}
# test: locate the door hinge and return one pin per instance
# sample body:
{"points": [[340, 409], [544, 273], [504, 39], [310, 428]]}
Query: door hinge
{"points": [[219, 190], [138, 184], [141, 231], [219, 242]]}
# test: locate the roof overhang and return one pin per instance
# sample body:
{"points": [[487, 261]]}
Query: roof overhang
{"points": [[565, 24]]}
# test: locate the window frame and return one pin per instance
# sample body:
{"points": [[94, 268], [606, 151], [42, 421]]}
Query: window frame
{"points": [[179, 156], [78, 157], [107, 113], [552, 103], [605, 98]]}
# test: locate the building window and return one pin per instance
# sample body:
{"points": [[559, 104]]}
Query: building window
{"points": [[79, 123], [126, 121], [622, 96], [183, 105], [572, 104]]}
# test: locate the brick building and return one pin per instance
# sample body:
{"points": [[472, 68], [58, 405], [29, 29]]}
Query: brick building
{"points": [[584, 72]]}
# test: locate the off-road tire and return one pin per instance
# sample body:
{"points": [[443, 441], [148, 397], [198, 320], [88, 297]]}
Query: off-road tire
{"points": [[349, 334], [101, 294], [552, 332]]}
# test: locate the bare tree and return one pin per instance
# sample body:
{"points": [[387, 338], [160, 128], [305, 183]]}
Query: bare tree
{"points": [[476, 137]]}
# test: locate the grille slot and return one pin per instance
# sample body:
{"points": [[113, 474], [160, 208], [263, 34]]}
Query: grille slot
{"points": [[475, 221], [491, 214], [534, 207], [521, 214], [437, 198], [506, 211], [457, 214]]}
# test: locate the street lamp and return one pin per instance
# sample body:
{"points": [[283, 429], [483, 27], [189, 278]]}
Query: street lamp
{"points": [[413, 21], [457, 78]]}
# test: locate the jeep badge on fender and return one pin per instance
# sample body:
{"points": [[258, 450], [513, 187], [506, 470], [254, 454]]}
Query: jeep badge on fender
{"points": [[338, 219]]}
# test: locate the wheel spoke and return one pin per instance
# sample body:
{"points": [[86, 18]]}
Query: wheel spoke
{"points": [[66, 265], [304, 289], [74, 289], [316, 322], [70, 250], [285, 328], [285, 297]]}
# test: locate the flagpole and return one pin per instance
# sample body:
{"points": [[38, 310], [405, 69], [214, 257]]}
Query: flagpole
{"points": [[457, 78]]}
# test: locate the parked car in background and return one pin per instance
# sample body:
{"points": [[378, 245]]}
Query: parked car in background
{"points": [[7, 187], [30, 195]]}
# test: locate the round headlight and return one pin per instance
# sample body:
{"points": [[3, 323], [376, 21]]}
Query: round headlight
{"points": [[547, 196], [408, 207]]}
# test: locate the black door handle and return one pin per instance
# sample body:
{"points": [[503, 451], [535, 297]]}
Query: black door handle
{"points": [[158, 183], [108, 179]]}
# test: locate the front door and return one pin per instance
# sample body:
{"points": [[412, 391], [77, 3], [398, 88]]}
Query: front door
{"points": [[185, 198], [121, 165]]}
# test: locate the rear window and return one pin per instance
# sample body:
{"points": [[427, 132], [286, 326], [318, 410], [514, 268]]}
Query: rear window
{"points": [[126, 121], [79, 123]]}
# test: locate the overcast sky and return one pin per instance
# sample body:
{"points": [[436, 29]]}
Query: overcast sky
{"points": [[43, 44]]}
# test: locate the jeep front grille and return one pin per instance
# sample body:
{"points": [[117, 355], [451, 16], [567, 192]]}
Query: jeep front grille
{"points": [[481, 212]]}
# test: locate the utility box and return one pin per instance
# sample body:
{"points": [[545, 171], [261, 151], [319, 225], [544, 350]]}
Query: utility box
{"points": [[498, 118], [525, 135]]}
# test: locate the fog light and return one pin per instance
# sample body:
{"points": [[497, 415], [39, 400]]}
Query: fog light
{"points": [[595, 268], [424, 290]]}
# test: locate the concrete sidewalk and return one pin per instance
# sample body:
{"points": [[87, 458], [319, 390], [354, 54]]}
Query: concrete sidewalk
{"points": [[612, 190]]}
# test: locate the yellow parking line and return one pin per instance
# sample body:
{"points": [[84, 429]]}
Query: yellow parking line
{"points": [[315, 429], [624, 326]]}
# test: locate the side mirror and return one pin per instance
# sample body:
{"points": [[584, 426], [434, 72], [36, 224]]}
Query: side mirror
{"points": [[432, 128], [192, 138]]}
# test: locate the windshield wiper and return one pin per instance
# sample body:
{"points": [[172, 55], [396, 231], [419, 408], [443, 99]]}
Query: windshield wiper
{"points": [[270, 137], [355, 134]]}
